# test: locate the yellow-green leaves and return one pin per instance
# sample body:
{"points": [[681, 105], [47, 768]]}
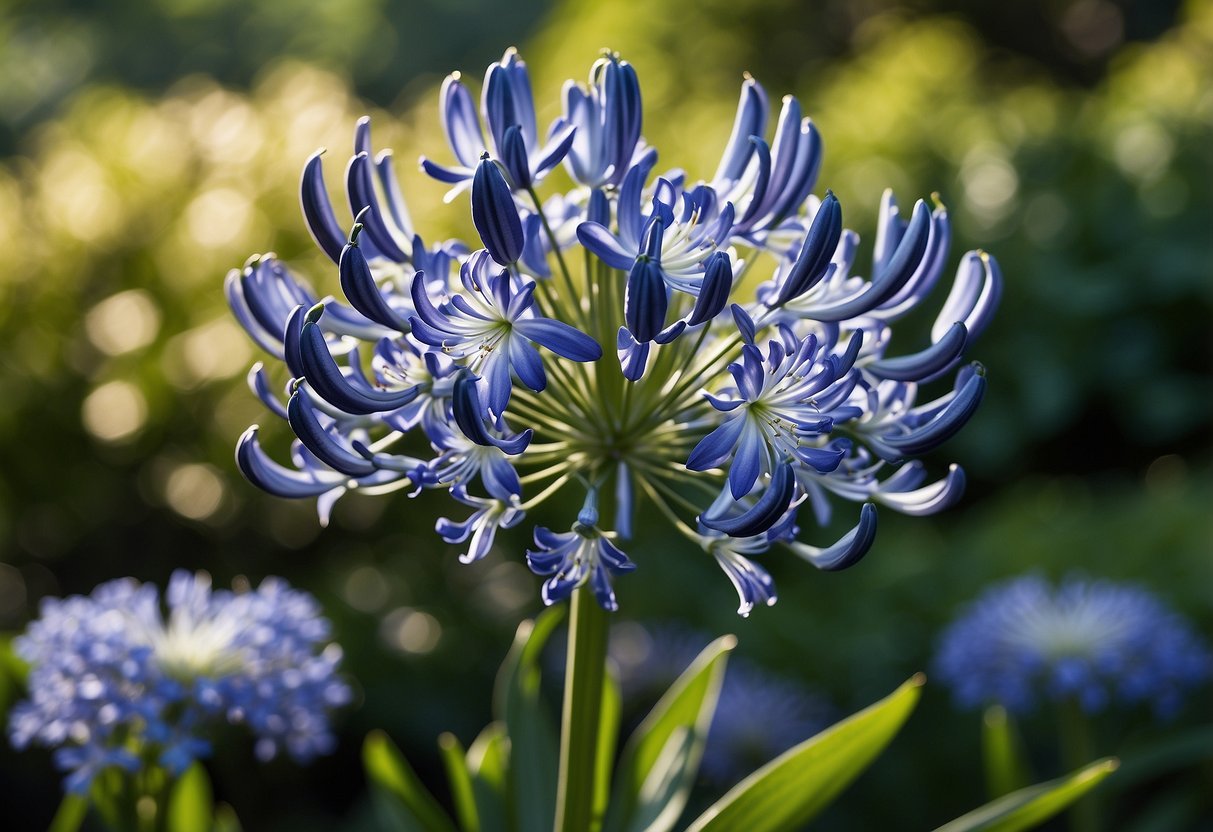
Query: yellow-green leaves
{"points": [[791, 789], [662, 757], [1028, 807]]}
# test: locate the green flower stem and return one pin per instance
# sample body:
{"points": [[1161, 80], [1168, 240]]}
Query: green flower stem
{"points": [[1077, 750], [584, 674]]}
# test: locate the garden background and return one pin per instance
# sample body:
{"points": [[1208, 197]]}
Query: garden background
{"points": [[149, 146]]}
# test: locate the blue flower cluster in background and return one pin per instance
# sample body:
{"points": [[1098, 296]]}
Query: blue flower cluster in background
{"points": [[725, 417], [1093, 642], [116, 682]]}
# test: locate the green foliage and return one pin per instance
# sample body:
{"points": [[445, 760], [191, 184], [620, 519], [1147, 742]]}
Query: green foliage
{"points": [[659, 764], [662, 756], [791, 789], [396, 786], [191, 802], [70, 814], [1034, 805], [533, 758], [133, 197], [1002, 753]]}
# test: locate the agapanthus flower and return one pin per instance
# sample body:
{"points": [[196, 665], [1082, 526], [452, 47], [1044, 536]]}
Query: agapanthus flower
{"points": [[119, 680], [597, 346], [1092, 642]]}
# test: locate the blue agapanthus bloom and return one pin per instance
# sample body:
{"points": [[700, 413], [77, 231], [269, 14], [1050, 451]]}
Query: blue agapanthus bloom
{"points": [[758, 716], [117, 680], [1093, 642], [598, 342]]}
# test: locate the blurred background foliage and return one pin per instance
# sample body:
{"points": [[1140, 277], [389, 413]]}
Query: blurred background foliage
{"points": [[151, 146]]}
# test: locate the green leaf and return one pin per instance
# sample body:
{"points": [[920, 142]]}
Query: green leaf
{"points": [[534, 749], [608, 736], [1028, 807], [788, 791], [399, 789], [70, 814], [487, 762], [461, 782], [662, 756], [226, 820], [191, 803], [1002, 753]]}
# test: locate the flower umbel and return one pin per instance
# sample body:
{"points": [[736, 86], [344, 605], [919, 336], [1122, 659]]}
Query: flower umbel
{"points": [[114, 681], [721, 414], [1094, 642]]}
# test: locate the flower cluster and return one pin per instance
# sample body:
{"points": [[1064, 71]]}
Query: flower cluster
{"points": [[1093, 642], [758, 715], [114, 682], [485, 369]]}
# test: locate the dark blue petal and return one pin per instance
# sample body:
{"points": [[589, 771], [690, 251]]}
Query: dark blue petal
{"points": [[471, 417], [514, 158], [601, 242], [819, 246], [326, 378], [259, 383], [929, 362], [559, 142], [946, 423], [452, 176], [716, 447], [928, 499], [745, 324], [753, 583], [318, 209], [360, 288], [269, 476], [633, 355], [751, 120], [462, 125], [318, 440], [849, 549], [391, 192], [501, 480], [525, 360], [670, 333], [762, 153], [534, 255], [599, 209], [902, 265], [715, 290], [495, 215], [360, 186], [292, 347], [560, 338], [747, 460], [764, 513]]}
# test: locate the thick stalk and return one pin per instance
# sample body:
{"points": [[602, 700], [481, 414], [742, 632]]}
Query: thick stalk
{"points": [[584, 674], [1077, 750]]}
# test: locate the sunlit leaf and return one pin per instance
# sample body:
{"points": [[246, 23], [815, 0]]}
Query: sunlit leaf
{"points": [[662, 756], [487, 762], [398, 787], [453, 759], [70, 814], [1028, 807], [191, 803], [1002, 752], [534, 749], [788, 791]]}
